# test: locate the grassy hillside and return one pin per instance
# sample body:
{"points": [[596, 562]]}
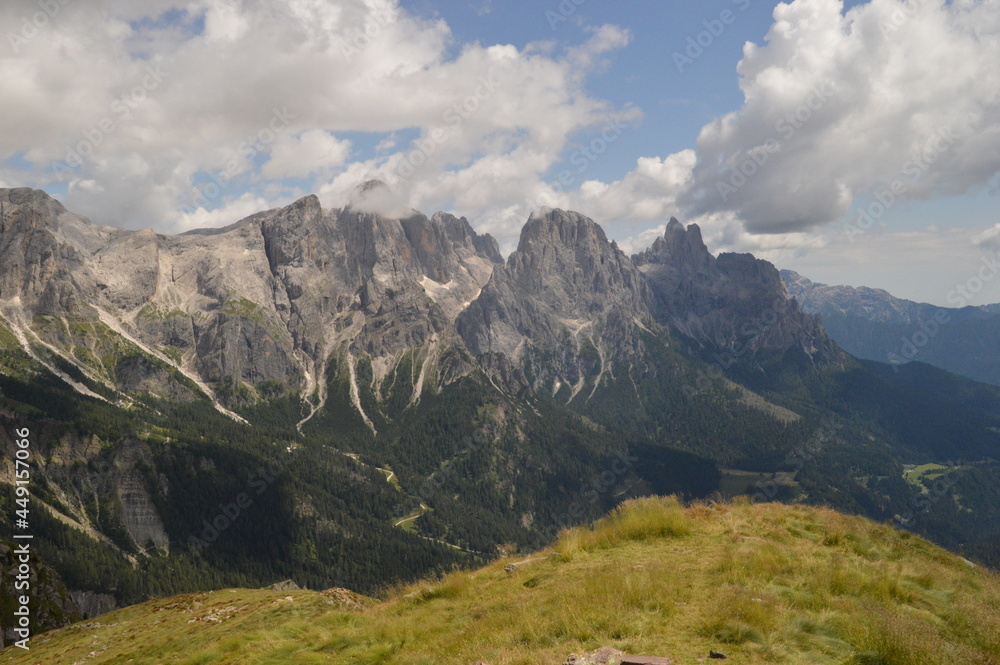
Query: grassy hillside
{"points": [[761, 583]]}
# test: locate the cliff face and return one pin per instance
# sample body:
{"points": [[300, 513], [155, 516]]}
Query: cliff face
{"points": [[268, 299], [272, 298], [732, 303], [449, 371], [564, 308]]}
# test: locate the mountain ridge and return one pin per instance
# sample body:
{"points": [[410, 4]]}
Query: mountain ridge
{"points": [[875, 325], [271, 296]]}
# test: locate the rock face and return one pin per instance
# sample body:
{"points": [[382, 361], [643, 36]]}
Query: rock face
{"points": [[734, 302], [272, 299], [268, 299], [93, 604], [564, 308], [139, 514]]}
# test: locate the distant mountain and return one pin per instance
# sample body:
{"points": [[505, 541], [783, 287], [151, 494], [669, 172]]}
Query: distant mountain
{"points": [[872, 324], [347, 399]]}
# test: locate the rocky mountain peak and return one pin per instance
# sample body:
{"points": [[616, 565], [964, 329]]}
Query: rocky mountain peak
{"points": [[275, 296], [561, 227], [679, 248], [458, 229], [31, 198], [566, 295], [722, 302], [567, 256]]}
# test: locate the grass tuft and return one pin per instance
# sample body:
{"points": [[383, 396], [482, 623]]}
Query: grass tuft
{"points": [[637, 519]]}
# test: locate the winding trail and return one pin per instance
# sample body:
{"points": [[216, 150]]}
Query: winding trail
{"points": [[419, 513]]}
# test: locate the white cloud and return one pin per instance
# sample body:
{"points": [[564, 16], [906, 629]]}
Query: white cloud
{"points": [[647, 193], [202, 136], [838, 106], [988, 239], [271, 91], [233, 211], [313, 151], [640, 241]]}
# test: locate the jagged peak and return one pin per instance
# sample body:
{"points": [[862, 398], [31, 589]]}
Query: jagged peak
{"points": [[376, 197], [27, 196], [484, 243], [36, 199], [563, 227], [678, 245], [308, 201], [306, 208]]}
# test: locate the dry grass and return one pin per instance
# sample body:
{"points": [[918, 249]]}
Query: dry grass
{"points": [[764, 584]]}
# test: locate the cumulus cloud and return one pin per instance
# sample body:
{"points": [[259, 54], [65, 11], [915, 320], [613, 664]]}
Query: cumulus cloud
{"points": [[176, 112], [236, 209], [897, 95], [988, 239], [648, 192], [313, 151]]}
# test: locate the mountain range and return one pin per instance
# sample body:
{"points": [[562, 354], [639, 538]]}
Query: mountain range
{"points": [[346, 399], [873, 324]]}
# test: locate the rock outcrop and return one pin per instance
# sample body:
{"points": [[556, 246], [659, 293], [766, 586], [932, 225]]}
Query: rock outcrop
{"points": [[733, 303], [268, 299], [272, 299], [565, 308]]}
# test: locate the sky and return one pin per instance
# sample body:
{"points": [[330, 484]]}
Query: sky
{"points": [[854, 142]]}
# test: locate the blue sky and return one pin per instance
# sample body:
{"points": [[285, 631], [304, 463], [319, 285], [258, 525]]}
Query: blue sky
{"points": [[358, 89]]}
